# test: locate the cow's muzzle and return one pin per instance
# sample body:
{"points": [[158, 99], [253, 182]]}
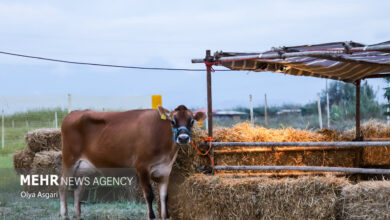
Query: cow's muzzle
{"points": [[183, 139], [181, 135]]}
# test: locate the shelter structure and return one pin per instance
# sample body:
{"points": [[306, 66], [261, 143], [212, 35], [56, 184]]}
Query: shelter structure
{"points": [[350, 62]]}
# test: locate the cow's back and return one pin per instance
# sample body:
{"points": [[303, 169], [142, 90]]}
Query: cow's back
{"points": [[115, 139]]}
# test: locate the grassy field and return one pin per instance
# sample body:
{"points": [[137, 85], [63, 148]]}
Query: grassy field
{"points": [[14, 207]]}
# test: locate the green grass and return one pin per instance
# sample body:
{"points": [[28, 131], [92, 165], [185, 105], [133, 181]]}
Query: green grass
{"points": [[6, 161], [14, 207], [17, 125]]}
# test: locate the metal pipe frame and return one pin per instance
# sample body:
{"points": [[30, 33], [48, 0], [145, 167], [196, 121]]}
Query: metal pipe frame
{"points": [[301, 144], [307, 168]]}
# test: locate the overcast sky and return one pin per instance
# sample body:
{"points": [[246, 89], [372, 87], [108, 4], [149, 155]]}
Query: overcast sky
{"points": [[170, 34]]}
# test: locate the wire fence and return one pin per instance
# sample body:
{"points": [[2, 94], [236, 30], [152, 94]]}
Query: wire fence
{"points": [[21, 114]]}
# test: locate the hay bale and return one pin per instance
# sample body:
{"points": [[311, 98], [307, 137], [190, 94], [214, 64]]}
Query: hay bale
{"points": [[23, 160], [47, 159], [213, 197], [44, 139], [366, 200], [372, 155]]}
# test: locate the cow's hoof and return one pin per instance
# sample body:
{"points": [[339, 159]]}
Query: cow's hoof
{"points": [[78, 218]]}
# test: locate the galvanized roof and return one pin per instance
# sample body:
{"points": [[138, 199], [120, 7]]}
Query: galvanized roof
{"points": [[345, 61]]}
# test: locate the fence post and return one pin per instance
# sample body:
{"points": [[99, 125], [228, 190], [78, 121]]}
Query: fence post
{"points": [[13, 123], [319, 111], [2, 129], [265, 110], [69, 103], [251, 110], [55, 120], [209, 95], [327, 104]]}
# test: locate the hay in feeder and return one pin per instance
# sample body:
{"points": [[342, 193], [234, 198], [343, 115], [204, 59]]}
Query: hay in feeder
{"points": [[293, 156], [214, 197], [44, 139], [372, 155]]}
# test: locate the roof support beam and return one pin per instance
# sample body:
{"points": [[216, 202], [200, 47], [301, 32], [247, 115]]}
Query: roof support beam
{"points": [[358, 136], [384, 75]]}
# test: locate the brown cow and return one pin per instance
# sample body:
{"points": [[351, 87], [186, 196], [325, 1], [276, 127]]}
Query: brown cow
{"points": [[142, 139]]}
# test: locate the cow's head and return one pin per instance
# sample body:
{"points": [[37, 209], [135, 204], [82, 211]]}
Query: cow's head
{"points": [[182, 120]]}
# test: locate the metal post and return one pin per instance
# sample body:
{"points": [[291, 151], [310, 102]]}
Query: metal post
{"points": [[251, 110], [2, 129], [265, 110], [209, 96], [209, 106], [358, 132], [319, 111]]}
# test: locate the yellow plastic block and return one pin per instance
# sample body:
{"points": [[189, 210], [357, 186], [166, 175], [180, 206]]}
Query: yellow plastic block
{"points": [[156, 101]]}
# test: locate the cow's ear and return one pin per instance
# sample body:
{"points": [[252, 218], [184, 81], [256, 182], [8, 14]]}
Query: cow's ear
{"points": [[164, 113], [200, 116]]}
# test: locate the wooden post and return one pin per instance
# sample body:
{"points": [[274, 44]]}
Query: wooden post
{"points": [[13, 123], [2, 129], [319, 111], [358, 132], [209, 95], [265, 110], [69, 103], [251, 110]]}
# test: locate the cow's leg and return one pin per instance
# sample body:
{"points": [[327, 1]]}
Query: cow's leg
{"points": [[78, 192], [63, 188], [144, 178], [82, 169], [163, 190]]}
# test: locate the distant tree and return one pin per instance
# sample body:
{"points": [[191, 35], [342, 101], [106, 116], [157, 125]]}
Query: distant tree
{"points": [[386, 95], [342, 99]]}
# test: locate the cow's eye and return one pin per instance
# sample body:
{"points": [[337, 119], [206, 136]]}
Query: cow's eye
{"points": [[192, 122], [173, 122]]}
